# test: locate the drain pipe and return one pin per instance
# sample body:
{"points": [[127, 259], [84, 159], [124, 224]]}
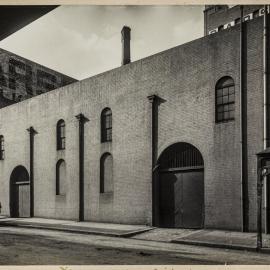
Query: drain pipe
{"points": [[82, 119], [241, 122], [153, 99], [265, 71], [32, 133], [265, 106]]}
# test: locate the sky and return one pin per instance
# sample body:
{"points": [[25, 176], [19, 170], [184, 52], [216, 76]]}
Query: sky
{"points": [[82, 41]]}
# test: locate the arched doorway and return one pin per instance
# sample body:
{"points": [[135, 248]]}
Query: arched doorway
{"points": [[180, 187], [19, 192]]}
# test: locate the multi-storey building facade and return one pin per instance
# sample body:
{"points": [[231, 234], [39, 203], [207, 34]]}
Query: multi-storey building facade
{"points": [[21, 78]]}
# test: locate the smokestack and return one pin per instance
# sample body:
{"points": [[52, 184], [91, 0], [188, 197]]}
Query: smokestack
{"points": [[125, 45]]}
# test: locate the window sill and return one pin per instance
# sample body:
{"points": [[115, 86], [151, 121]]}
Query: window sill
{"points": [[109, 193], [225, 121], [106, 197], [106, 141], [60, 197]]}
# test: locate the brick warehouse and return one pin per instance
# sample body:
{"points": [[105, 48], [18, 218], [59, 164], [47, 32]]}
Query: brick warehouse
{"points": [[169, 140]]}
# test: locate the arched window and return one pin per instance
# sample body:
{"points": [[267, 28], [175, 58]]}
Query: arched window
{"points": [[2, 147], [106, 173], [180, 155], [225, 99], [61, 135], [106, 125], [61, 177]]}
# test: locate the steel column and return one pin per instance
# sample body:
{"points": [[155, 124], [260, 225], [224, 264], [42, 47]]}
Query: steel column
{"points": [[32, 133], [82, 119], [154, 139]]}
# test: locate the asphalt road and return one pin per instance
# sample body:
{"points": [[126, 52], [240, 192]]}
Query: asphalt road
{"points": [[23, 246]]}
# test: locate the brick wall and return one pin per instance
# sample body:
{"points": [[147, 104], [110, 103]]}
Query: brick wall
{"points": [[224, 16], [184, 77]]}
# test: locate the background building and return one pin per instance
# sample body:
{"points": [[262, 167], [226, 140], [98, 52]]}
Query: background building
{"points": [[21, 78]]}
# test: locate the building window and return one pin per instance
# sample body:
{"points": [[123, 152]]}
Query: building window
{"points": [[225, 99], [19, 98], [106, 173], [106, 125], [221, 27], [256, 13], [60, 134], [2, 148], [237, 20], [61, 177]]}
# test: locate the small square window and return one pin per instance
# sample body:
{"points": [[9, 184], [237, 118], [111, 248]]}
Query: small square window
{"points": [[225, 91], [225, 99], [219, 100], [219, 93], [226, 108], [231, 90], [220, 116], [237, 21]]}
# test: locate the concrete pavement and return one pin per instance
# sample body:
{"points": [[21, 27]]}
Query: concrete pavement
{"points": [[107, 229], [209, 238], [32, 246]]}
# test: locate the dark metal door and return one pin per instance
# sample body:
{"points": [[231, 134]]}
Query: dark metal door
{"points": [[193, 199], [167, 200], [181, 198], [14, 201], [19, 192]]}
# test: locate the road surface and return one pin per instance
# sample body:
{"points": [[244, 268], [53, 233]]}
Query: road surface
{"points": [[25, 246]]}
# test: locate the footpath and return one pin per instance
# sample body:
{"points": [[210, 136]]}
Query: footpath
{"points": [[204, 237]]}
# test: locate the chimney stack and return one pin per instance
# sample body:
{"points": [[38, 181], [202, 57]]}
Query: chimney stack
{"points": [[125, 45]]}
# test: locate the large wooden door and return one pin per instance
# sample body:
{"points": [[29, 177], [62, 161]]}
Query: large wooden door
{"points": [[178, 192], [181, 199], [24, 200], [167, 203], [193, 199], [14, 200], [19, 193]]}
